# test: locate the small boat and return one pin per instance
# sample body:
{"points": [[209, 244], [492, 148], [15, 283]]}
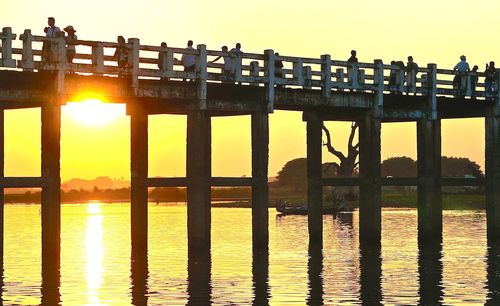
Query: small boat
{"points": [[282, 208]]}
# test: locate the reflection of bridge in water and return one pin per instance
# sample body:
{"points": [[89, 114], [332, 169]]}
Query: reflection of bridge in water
{"points": [[322, 88]]}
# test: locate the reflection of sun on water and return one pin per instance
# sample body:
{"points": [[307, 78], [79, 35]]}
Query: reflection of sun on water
{"points": [[95, 250], [94, 112]]}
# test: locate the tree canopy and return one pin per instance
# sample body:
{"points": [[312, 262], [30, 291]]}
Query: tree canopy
{"points": [[450, 167]]}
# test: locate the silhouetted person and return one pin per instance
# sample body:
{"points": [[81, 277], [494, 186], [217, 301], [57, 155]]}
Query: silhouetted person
{"points": [[353, 58], [71, 39], [489, 77], [392, 76], [162, 58], [278, 69], [460, 79], [121, 52], [236, 55], [473, 79], [189, 60], [411, 75], [352, 68], [227, 70], [51, 32]]}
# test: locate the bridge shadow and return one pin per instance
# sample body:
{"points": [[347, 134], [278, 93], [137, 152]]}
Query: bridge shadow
{"points": [[430, 271], [199, 277]]}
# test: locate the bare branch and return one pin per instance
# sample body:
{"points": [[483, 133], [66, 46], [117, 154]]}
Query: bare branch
{"points": [[329, 146], [354, 126]]}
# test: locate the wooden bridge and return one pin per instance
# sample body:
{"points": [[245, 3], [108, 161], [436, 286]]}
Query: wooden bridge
{"points": [[322, 88]]}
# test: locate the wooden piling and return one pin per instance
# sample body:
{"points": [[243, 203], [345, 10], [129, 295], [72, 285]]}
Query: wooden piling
{"points": [[51, 194], [370, 213], [430, 208], [260, 190], [314, 187], [138, 182], [198, 175], [492, 167]]}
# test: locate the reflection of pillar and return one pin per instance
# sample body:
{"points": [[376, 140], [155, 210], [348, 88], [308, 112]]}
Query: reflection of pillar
{"points": [[314, 187], [371, 274], [260, 277], [2, 163], [492, 166], [139, 275], [138, 184], [51, 280], [370, 214], [51, 194], [260, 190], [493, 273], [199, 277], [198, 175], [430, 209], [314, 272], [430, 270]]}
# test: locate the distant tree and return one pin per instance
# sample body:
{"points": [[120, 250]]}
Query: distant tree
{"points": [[347, 163], [399, 167], [459, 166], [294, 174]]}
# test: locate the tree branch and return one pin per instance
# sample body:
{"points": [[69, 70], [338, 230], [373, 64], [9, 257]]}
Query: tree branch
{"points": [[329, 146], [354, 126]]}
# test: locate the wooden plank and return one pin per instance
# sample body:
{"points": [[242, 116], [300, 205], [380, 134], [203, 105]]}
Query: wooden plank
{"points": [[22, 182], [167, 182], [231, 181]]}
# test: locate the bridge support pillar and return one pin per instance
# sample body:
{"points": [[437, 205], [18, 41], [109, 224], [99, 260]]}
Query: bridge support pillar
{"points": [[138, 181], [260, 190], [430, 210], [198, 175], [314, 186], [370, 214], [492, 163], [51, 191]]}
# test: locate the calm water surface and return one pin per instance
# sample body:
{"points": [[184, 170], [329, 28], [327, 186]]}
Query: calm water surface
{"points": [[96, 267]]}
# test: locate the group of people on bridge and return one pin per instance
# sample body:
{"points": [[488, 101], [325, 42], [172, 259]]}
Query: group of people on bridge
{"points": [[400, 74]]}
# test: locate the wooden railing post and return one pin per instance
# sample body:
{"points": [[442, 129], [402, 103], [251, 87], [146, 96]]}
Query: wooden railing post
{"points": [[340, 77], [307, 75], [269, 66], [7, 37], [254, 72], [98, 57], [27, 57], [133, 61], [432, 89], [326, 75], [379, 81], [202, 75], [61, 63], [298, 76], [353, 74]]}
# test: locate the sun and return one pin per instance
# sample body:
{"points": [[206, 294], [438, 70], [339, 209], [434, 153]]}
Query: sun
{"points": [[94, 112]]}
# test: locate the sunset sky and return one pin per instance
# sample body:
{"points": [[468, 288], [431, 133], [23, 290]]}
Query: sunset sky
{"points": [[432, 31]]}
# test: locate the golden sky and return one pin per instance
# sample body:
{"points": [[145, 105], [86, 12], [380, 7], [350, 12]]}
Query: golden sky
{"points": [[432, 31]]}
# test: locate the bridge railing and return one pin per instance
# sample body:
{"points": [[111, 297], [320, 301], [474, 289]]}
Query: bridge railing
{"points": [[156, 62]]}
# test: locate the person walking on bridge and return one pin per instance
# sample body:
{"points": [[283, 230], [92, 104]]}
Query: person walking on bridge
{"points": [[236, 55], [71, 39], [189, 60], [460, 79], [227, 70], [50, 32]]}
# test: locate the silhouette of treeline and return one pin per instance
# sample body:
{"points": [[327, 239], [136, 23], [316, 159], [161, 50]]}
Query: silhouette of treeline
{"points": [[167, 194]]}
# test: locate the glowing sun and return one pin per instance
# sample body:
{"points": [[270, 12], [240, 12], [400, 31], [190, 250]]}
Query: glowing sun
{"points": [[93, 112]]}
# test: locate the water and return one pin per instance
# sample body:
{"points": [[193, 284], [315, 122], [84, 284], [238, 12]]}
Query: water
{"points": [[96, 267]]}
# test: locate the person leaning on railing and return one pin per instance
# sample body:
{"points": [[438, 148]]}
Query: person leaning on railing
{"points": [[121, 52], [71, 39]]}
